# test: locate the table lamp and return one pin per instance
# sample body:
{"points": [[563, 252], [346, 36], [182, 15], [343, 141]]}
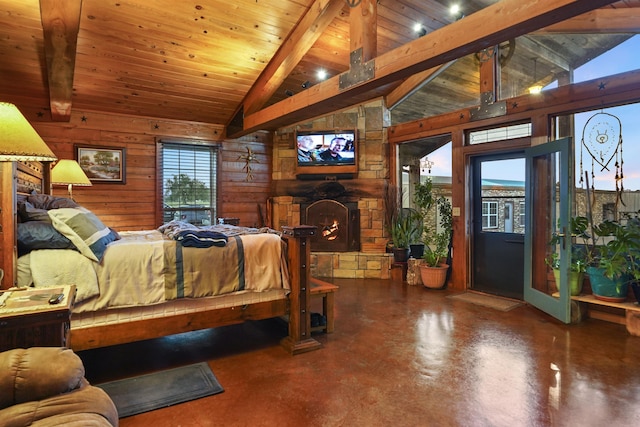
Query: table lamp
{"points": [[68, 172], [18, 139]]}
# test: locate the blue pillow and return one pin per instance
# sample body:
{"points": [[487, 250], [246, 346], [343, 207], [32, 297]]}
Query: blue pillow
{"points": [[40, 235]]}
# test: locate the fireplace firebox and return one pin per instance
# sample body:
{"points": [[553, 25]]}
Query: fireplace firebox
{"points": [[338, 225]]}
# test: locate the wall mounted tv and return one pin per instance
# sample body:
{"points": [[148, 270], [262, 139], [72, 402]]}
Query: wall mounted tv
{"points": [[327, 153]]}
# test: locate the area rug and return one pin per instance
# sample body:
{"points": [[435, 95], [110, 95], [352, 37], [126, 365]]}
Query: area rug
{"points": [[161, 389], [490, 301]]}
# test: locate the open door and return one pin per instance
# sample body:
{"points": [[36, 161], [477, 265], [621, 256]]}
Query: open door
{"points": [[548, 196]]}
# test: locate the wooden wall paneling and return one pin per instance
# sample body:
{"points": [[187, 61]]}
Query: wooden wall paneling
{"points": [[239, 196], [133, 205]]}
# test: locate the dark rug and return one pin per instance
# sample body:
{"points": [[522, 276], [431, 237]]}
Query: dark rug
{"points": [[161, 389]]}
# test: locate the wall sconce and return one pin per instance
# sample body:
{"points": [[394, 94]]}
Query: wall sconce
{"points": [[69, 172]]}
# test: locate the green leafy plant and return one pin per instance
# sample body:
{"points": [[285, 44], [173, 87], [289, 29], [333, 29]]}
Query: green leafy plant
{"points": [[434, 255], [620, 256], [582, 254], [406, 228], [436, 243]]}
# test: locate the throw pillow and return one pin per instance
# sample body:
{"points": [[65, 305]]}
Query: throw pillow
{"points": [[84, 229]]}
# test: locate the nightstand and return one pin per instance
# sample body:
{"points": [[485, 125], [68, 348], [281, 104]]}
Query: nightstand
{"points": [[28, 320]]}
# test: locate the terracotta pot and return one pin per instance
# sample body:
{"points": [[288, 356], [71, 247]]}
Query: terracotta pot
{"points": [[434, 277]]}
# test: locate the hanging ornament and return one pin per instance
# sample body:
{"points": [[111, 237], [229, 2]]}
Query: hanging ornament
{"points": [[602, 138], [248, 158]]}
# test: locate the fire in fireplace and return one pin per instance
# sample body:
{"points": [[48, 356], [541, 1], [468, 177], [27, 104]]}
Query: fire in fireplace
{"points": [[338, 225]]}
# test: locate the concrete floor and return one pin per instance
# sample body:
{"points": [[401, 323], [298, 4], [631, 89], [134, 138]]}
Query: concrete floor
{"points": [[400, 356]]}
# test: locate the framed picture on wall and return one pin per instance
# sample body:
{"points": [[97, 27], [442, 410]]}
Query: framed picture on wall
{"points": [[102, 164]]}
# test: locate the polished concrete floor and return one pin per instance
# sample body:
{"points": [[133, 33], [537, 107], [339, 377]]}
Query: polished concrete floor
{"points": [[400, 356]]}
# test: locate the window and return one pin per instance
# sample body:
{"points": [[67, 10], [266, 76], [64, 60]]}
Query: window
{"points": [[522, 214], [500, 133], [189, 182], [489, 214]]}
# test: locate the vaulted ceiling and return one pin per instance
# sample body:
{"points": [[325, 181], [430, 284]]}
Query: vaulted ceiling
{"points": [[252, 64]]}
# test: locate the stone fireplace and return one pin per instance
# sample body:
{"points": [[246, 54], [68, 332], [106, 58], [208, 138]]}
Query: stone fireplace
{"points": [[331, 203], [338, 225]]}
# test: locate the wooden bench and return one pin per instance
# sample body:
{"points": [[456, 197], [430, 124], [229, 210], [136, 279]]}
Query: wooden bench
{"points": [[630, 316], [326, 291]]}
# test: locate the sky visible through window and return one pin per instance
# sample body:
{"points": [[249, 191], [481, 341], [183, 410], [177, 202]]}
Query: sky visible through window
{"points": [[620, 59]]}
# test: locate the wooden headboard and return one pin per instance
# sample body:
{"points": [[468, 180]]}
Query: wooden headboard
{"points": [[17, 180]]}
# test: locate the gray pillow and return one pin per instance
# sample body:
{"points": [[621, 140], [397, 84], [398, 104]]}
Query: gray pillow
{"points": [[47, 201], [40, 235], [28, 212]]}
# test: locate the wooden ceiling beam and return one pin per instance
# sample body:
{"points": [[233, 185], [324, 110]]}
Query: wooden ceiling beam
{"points": [[363, 34], [600, 21], [508, 18], [296, 45], [60, 25]]}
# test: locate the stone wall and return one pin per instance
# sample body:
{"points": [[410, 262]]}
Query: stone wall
{"points": [[371, 121]]}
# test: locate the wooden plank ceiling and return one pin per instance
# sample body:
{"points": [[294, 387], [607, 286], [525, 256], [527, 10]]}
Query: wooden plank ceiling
{"points": [[205, 61]]}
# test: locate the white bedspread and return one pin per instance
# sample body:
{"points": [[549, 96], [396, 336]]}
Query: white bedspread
{"points": [[53, 268]]}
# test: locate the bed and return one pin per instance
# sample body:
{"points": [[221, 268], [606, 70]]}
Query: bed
{"points": [[165, 281]]}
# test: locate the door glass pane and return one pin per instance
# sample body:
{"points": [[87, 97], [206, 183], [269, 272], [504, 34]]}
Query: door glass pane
{"points": [[502, 192], [548, 202]]}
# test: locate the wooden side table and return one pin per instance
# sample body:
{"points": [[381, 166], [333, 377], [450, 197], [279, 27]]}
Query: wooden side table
{"points": [[320, 288], [28, 320]]}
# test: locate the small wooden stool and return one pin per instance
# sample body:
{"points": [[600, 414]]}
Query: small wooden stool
{"points": [[325, 290]]}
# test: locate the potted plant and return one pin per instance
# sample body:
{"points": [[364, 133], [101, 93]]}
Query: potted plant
{"points": [[434, 267], [405, 228], [618, 262], [579, 255]]}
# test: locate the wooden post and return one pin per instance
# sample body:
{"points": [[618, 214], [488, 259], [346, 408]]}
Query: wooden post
{"points": [[8, 220], [299, 254]]}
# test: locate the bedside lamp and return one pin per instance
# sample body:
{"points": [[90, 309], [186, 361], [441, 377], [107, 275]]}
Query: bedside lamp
{"points": [[68, 172], [18, 139]]}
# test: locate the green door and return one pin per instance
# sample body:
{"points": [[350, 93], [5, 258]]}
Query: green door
{"points": [[548, 196]]}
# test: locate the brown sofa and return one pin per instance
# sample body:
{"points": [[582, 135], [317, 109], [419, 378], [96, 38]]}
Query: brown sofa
{"points": [[45, 386]]}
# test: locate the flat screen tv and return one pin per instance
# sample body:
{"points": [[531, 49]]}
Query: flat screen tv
{"points": [[324, 153]]}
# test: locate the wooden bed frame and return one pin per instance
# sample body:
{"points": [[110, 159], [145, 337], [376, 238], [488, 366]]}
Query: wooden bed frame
{"points": [[22, 178]]}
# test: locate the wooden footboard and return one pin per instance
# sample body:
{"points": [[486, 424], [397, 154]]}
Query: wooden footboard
{"points": [[295, 306]]}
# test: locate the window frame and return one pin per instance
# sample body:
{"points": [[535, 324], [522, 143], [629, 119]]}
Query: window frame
{"points": [[215, 180], [489, 215]]}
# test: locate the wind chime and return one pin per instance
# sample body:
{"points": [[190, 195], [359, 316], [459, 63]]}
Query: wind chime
{"points": [[602, 138]]}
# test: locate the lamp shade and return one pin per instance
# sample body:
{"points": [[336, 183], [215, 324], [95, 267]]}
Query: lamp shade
{"points": [[18, 139], [69, 172]]}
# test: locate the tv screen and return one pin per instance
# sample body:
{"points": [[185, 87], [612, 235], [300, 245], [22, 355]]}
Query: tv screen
{"points": [[326, 152]]}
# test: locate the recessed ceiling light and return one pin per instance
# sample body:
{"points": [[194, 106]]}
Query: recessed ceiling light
{"points": [[322, 74], [419, 29]]}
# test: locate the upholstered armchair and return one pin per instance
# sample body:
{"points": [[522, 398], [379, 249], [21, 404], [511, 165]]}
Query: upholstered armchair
{"points": [[45, 386]]}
